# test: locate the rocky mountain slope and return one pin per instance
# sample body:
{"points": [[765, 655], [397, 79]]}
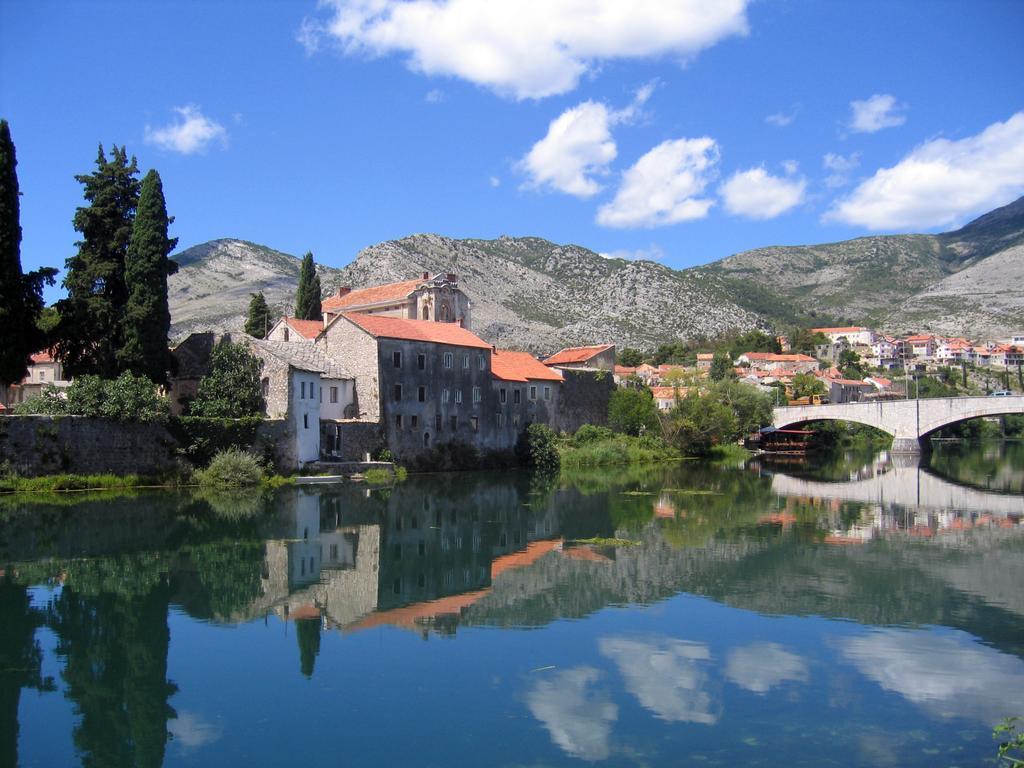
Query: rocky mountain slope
{"points": [[530, 293]]}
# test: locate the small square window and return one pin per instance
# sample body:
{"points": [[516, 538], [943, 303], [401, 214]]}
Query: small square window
{"points": [[474, 423], [465, 361], [533, 393], [398, 392], [421, 394], [334, 394], [448, 359], [476, 394], [458, 396], [398, 420], [501, 420], [502, 396], [453, 421], [438, 419], [481, 362], [517, 396], [302, 390], [396, 358], [445, 395], [421, 362], [547, 392]]}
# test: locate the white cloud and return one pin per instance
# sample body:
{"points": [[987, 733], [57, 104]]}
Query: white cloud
{"points": [[664, 185], [434, 96], [653, 253], [667, 676], [759, 667], [941, 182], [948, 675], [495, 181], [192, 132], [878, 112], [524, 48], [757, 194], [578, 717], [840, 167], [790, 167], [190, 731], [579, 146], [780, 119]]}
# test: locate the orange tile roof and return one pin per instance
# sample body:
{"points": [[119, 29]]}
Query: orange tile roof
{"points": [[42, 357], [520, 366], [624, 370], [775, 357], [842, 329], [705, 356], [576, 354], [416, 330], [664, 393], [375, 295], [921, 337], [308, 329]]}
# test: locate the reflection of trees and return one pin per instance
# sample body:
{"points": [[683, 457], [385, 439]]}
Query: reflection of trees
{"points": [[307, 631], [20, 662], [115, 652], [994, 466]]}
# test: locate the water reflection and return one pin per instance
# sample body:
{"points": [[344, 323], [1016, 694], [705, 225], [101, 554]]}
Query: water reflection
{"points": [[936, 564]]}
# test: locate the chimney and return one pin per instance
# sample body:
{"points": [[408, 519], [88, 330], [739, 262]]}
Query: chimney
{"points": [[426, 275], [343, 290], [452, 277]]}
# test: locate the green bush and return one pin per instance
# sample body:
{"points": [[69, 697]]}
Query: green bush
{"points": [[126, 398], [633, 411], [232, 388], [200, 438], [536, 449], [231, 469], [589, 433]]}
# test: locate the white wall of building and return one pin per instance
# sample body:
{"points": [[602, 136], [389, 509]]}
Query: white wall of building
{"points": [[305, 409]]}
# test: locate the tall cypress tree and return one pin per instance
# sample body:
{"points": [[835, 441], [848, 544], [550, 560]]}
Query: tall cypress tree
{"points": [[307, 299], [89, 333], [258, 321], [21, 295], [147, 318]]}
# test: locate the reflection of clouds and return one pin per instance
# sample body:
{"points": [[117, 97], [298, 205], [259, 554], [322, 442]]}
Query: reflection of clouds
{"points": [[665, 675], [759, 667], [578, 717], [951, 676], [191, 731]]}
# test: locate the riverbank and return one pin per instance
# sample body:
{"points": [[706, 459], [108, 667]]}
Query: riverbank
{"points": [[597, 446]]}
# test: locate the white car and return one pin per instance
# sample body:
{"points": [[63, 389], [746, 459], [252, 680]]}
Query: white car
{"points": [[1001, 393]]}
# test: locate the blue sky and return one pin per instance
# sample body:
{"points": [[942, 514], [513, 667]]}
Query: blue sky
{"points": [[657, 128]]}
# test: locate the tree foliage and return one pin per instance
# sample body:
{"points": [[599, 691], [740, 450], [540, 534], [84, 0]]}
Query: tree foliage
{"points": [[21, 295], [630, 357], [807, 384], [722, 414], [721, 367], [126, 398], [232, 388], [90, 330], [803, 340], [851, 365], [147, 316], [307, 300], [633, 412], [258, 321], [536, 449], [754, 341]]}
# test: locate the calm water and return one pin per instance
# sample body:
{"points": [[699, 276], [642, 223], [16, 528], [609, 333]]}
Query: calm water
{"points": [[862, 612]]}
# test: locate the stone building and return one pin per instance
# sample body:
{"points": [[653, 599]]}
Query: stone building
{"points": [[601, 357], [437, 299], [292, 329]]}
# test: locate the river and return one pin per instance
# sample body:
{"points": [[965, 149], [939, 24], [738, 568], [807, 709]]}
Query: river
{"points": [[865, 611]]}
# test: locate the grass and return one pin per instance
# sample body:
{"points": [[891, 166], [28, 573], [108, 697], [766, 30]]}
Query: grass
{"points": [[378, 476], [71, 482], [730, 452], [618, 449], [604, 542]]}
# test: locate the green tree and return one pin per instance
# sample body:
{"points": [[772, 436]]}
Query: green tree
{"points": [[232, 388], [307, 631], [721, 367], [751, 407], [803, 340], [21, 295], [630, 357], [851, 365], [307, 300], [536, 449], [147, 317], [754, 341], [258, 321], [633, 411], [126, 398], [698, 423], [807, 384], [90, 330]]}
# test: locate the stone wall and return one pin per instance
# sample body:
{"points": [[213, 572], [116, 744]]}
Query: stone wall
{"points": [[350, 440], [41, 445], [354, 350], [584, 399]]}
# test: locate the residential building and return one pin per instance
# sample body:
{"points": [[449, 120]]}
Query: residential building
{"points": [[294, 330], [770, 361], [921, 346], [44, 370], [842, 390], [601, 356], [666, 397], [704, 360], [527, 390], [436, 299], [854, 334]]}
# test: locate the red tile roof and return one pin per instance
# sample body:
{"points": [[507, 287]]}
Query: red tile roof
{"points": [[42, 357], [665, 393], [842, 329], [774, 357], [308, 329], [416, 330], [520, 366], [624, 370], [378, 294], [576, 354]]}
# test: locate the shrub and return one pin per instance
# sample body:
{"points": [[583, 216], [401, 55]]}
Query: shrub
{"points": [[126, 398], [632, 411], [377, 476], [232, 388], [200, 438], [384, 454], [590, 433], [536, 448], [231, 469]]}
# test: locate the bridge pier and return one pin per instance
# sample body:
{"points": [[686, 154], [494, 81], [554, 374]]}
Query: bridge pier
{"points": [[909, 445]]}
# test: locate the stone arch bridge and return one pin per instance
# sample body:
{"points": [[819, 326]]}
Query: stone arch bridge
{"points": [[910, 422]]}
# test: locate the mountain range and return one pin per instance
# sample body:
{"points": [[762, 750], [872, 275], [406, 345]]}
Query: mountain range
{"points": [[530, 293]]}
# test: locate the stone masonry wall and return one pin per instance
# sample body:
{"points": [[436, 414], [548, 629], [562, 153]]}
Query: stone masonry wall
{"points": [[584, 400], [40, 445], [350, 440]]}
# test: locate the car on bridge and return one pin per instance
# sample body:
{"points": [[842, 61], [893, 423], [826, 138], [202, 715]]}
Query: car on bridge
{"points": [[1001, 393]]}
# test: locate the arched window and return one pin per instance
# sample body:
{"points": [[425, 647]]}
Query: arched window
{"points": [[426, 312], [442, 315], [426, 439]]}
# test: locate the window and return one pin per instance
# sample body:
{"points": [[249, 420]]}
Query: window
{"points": [[502, 396], [515, 419], [414, 421], [302, 390], [454, 422], [42, 375], [286, 333], [448, 359], [445, 395], [334, 553], [547, 392], [481, 362], [437, 421], [501, 420], [517, 396], [321, 394], [421, 394], [398, 392], [398, 420], [533, 393], [396, 358], [334, 394], [465, 361], [421, 362], [476, 394], [474, 423], [426, 439], [305, 421], [458, 396]]}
